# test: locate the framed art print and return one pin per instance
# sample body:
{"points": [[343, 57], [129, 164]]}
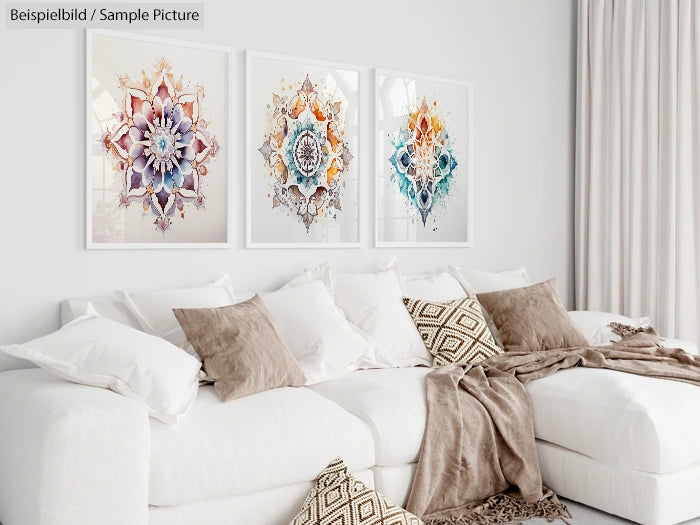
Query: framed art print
{"points": [[157, 142], [303, 129], [424, 161]]}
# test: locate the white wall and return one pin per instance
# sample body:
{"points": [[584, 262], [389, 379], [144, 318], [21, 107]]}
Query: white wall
{"points": [[519, 54]]}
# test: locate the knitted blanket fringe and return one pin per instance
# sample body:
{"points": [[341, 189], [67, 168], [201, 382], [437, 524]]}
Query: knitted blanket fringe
{"points": [[625, 330], [501, 509]]}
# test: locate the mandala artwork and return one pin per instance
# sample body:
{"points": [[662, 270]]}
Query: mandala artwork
{"points": [[423, 162], [305, 154], [161, 144]]}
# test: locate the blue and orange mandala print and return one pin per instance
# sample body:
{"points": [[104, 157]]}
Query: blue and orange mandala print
{"points": [[305, 153], [423, 162]]}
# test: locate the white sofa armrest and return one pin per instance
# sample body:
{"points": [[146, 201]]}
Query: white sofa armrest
{"points": [[70, 454]]}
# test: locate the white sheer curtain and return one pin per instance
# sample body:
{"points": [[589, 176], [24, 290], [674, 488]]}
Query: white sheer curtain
{"points": [[638, 161]]}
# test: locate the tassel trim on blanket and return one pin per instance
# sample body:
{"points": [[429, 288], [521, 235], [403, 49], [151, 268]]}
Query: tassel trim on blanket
{"points": [[502, 508], [625, 330]]}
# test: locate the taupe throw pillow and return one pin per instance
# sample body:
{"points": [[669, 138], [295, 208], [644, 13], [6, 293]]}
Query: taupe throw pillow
{"points": [[532, 318], [240, 348], [338, 498], [453, 331]]}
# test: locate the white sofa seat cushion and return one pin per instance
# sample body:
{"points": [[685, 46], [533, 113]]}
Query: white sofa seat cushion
{"points": [[395, 482], [392, 402], [619, 419], [268, 507], [267, 440]]}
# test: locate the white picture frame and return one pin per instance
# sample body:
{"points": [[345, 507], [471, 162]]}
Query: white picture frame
{"points": [[398, 216], [269, 225], [206, 221]]}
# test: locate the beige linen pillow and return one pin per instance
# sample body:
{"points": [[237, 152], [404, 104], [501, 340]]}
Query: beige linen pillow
{"points": [[240, 348], [532, 318], [453, 331], [337, 497]]}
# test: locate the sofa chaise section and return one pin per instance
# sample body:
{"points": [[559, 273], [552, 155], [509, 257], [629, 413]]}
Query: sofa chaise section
{"points": [[625, 444], [643, 497], [70, 454], [622, 420]]}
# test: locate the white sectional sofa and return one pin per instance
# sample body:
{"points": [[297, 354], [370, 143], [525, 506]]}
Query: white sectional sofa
{"points": [[78, 455], [73, 454]]}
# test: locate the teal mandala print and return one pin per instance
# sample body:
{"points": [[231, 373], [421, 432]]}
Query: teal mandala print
{"points": [[423, 161]]}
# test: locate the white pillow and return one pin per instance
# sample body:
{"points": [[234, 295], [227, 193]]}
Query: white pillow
{"points": [[372, 301], [594, 325], [444, 287], [95, 351], [154, 309], [109, 307], [322, 272], [474, 281], [315, 329], [687, 346], [433, 287], [7, 363]]}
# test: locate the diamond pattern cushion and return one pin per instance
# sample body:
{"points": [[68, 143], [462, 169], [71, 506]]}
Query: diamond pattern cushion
{"points": [[340, 499], [454, 331]]}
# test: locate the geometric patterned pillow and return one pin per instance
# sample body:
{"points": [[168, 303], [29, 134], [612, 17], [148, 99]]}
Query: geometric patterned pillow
{"points": [[454, 332], [340, 499]]}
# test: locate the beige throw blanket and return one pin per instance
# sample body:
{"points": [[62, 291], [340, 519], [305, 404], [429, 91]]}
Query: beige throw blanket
{"points": [[478, 463]]}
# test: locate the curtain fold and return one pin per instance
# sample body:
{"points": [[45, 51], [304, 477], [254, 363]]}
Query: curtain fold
{"points": [[637, 238]]}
